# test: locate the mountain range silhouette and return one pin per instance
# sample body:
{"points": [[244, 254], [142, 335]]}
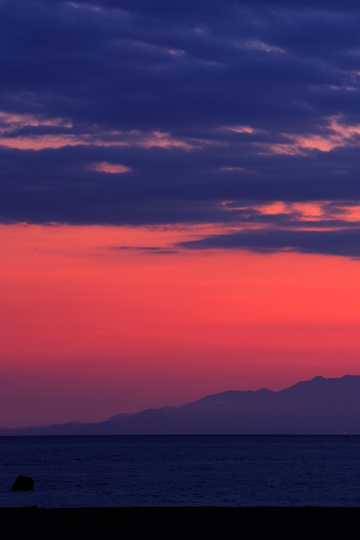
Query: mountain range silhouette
{"points": [[320, 407]]}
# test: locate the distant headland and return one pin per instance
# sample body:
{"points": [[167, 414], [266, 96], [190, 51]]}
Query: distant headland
{"points": [[317, 407]]}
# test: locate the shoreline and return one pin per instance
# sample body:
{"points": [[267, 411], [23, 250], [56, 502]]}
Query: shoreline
{"points": [[172, 523]]}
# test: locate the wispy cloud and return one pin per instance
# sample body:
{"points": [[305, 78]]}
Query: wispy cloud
{"points": [[111, 168]]}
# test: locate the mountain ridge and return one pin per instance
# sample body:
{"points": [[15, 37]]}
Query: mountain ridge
{"points": [[319, 406]]}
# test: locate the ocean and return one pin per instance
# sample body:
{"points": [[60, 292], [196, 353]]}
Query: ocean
{"points": [[112, 471]]}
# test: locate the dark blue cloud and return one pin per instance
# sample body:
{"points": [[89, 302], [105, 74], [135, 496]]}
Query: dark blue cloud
{"points": [[207, 104], [340, 242]]}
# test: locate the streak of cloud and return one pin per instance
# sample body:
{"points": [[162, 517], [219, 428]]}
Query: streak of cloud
{"points": [[340, 242]]}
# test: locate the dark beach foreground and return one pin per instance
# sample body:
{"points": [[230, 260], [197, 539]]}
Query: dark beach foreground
{"points": [[180, 523]]}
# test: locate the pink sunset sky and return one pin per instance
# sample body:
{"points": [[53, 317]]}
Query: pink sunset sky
{"points": [[88, 330], [179, 201]]}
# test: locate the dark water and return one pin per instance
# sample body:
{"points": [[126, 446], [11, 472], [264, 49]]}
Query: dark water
{"points": [[182, 471]]}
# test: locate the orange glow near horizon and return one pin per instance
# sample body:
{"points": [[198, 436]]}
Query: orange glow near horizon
{"points": [[149, 329]]}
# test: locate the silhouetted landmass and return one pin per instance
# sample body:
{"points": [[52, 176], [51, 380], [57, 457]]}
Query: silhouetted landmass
{"points": [[320, 406], [179, 523]]}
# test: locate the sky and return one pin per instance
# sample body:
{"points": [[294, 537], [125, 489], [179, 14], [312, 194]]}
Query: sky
{"points": [[179, 201]]}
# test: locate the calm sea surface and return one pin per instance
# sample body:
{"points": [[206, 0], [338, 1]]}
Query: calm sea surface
{"points": [[182, 471]]}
